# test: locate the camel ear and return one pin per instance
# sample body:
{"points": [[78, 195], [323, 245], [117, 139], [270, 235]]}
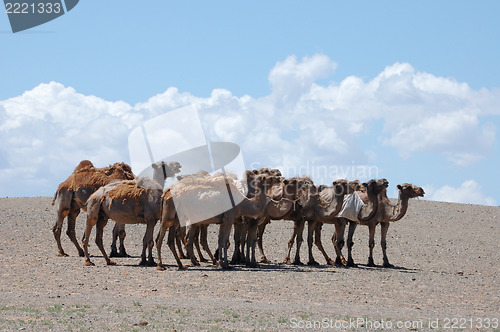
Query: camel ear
{"points": [[399, 186]]}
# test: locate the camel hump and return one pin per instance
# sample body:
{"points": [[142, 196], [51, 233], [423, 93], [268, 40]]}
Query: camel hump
{"points": [[83, 164]]}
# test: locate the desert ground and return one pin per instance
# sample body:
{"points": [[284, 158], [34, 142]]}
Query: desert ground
{"points": [[446, 275]]}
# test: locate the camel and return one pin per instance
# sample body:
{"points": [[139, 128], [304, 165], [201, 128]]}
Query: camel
{"points": [[128, 202], [294, 214], [161, 171], [188, 191], [368, 193], [386, 213], [322, 204], [72, 194], [241, 224], [283, 196]]}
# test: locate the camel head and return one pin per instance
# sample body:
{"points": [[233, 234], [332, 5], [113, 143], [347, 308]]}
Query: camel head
{"points": [[163, 170], [410, 190], [341, 187]]}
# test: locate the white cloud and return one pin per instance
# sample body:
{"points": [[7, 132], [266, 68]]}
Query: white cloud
{"points": [[468, 192], [46, 131]]}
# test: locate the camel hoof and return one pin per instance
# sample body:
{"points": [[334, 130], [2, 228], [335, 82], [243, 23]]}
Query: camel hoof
{"points": [[225, 266], [143, 263], [371, 264], [252, 265], [287, 261], [330, 262], [388, 265], [113, 254], [62, 254], [351, 264], [265, 260], [151, 263], [298, 263], [89, 263], [312, 263], [181, 268], [160, 268], [111, 263]]}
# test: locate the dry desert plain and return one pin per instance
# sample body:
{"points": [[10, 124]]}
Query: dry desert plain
{"points": [[447, 275]]}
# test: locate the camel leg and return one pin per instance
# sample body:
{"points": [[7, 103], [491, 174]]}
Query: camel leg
{"points": [[260, 234], [88, 230], [224, 232], [319, 244], [338, 242], [159, 243], [118, 233], [299, 232], [191, 237], [101, 223], [350, 243], [72, 215], [172, 236], [311, 227], [121, 235], [180, 239], [371, 243], [290, 244], [147, 243], [251, 242], [384, 227], [197, 245], [204, 242], [238, 232], [56, 230]]}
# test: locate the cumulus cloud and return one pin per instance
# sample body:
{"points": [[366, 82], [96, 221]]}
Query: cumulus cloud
{"points": [[46, 131], [468, 192]]}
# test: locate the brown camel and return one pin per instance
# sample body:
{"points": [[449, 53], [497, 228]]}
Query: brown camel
{"points": [[321, 205], [128, 202], [72, 194], [304, 183], [368, 193], [241, 224], [386, 213], [283, 200], [187, 191], [161, 171]]}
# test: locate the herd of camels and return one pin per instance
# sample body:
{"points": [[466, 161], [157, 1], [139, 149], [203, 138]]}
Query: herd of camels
{"points": [[114, 192]]}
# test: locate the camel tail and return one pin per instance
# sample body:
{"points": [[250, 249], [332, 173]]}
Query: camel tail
{"points": [[55, 197]]}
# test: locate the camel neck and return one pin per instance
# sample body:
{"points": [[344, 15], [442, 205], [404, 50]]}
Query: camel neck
{"points": [[369, 210], [399, 210]]}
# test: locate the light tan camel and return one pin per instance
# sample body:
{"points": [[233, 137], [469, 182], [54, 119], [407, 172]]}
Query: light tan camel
{"points": [[72, 194], [386, 213], [187, 191]]}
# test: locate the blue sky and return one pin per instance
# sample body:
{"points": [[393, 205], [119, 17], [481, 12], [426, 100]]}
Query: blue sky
{"points": [[412, 88]]}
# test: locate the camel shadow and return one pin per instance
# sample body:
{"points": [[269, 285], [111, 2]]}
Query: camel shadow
{"points": [[382, 268]]}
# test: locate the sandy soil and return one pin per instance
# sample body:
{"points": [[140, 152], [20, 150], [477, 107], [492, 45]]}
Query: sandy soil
{"points": [[447, 267]]}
